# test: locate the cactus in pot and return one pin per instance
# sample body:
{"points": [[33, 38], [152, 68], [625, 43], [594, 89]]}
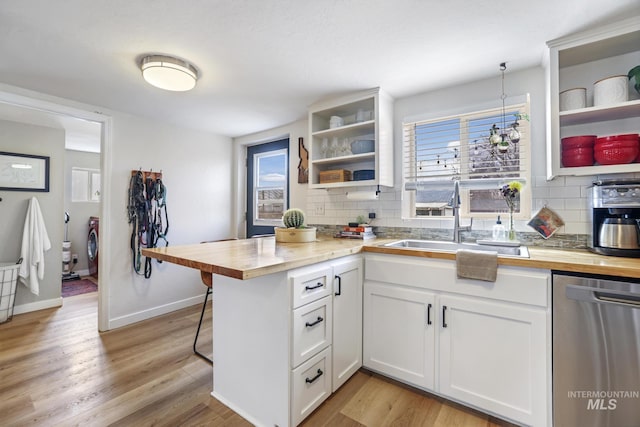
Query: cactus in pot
{"points": [[293, 218]]}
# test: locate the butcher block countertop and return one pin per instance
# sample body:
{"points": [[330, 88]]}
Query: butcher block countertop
{"points": [[245, 259]]}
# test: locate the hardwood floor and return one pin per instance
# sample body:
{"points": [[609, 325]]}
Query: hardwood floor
{"points": [[57, 370]]}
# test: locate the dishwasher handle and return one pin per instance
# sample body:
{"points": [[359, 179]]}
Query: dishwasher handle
{"points": [[603, 296]]}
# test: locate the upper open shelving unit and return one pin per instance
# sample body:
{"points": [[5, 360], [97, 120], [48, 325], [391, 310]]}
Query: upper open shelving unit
{"points": [[335, 124], [579, 60]]}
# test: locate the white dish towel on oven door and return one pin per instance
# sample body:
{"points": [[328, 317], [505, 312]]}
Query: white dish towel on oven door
{"points": [[35, 242]]}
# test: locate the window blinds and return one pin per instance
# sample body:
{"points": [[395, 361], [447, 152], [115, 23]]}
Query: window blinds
{"points": [[459, 147]]}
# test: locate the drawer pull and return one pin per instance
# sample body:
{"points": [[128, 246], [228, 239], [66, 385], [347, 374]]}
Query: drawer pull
{"points": [[308, 325], [312, 380], [316, 286]]}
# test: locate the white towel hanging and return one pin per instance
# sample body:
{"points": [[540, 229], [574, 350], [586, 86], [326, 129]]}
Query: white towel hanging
{"points": [[35, 242]]}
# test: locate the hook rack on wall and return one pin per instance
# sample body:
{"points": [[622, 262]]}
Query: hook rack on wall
{"points": [[148, 174]]}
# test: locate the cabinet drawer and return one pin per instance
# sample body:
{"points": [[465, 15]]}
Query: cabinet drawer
{"points": [[310, 385], [311, 329], [309, 285]]}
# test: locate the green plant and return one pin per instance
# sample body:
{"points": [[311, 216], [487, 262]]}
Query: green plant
{"points": [[361, 219], [293, 218], [634, 73]]}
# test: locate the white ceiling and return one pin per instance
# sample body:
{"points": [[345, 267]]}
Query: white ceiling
{"points": [[263, 62]]}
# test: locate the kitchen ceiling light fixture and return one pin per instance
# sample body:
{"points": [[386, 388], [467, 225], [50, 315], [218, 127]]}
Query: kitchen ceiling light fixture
{"points": [[502, 139], [169, 73]]}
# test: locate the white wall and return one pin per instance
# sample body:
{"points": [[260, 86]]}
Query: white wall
{"points": [[36, 140], [297, 192], [196, 169]]}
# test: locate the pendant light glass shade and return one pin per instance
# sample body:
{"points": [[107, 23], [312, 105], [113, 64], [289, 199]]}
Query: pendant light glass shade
{"points": [[169, 73]]}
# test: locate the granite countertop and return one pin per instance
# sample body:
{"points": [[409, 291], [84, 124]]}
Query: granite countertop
{"points": [[244, 259]]}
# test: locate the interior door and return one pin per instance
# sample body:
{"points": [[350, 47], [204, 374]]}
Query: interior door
{"points": [[267, 186]]}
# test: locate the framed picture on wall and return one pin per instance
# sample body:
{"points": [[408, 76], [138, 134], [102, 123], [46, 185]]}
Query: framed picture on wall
{"points": [[23, 172]]}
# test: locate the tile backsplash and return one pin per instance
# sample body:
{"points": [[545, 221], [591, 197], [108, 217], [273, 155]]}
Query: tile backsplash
{"points": [[568, 196]]}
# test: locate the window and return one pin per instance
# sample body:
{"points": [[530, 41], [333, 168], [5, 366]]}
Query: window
{"points": [[85, 185], [267, 186], [438, 151]]}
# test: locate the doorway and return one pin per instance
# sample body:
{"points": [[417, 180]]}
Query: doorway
{"points": [[43, 110], [267, 186]]}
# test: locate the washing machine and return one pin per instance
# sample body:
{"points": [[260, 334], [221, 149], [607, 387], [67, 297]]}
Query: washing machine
{"points": [[92, 245]]}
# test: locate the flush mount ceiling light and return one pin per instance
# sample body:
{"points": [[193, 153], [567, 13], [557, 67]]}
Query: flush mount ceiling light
{"points": [[169, 73]]}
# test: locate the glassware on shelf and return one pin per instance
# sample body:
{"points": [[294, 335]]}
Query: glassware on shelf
{"points": [[334, 150], [324, 148], [345, 148]]}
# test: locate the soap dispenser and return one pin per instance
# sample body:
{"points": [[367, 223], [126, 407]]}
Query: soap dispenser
{"points": [[499, 232]]}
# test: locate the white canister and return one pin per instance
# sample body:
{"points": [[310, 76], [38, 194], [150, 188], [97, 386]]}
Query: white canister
{"points": [[572, 99], [610, 90]]}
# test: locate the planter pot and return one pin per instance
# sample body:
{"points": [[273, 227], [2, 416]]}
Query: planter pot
{"points": [[295, 235]]}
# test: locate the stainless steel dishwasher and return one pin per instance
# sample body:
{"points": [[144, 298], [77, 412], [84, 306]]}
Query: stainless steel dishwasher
{"points": [[596, 351]]}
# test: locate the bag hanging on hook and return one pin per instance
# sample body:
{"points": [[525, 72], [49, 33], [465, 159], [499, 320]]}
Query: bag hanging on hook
{"points": [[148, 217]]}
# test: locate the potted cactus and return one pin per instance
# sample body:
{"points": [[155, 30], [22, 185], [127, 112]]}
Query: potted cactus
{"points": [[294, 230]]}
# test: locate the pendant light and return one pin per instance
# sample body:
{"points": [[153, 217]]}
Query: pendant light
{"points": [[168, 73], [503, 138]]}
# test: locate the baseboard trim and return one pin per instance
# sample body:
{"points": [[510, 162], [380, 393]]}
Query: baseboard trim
{"points": [[37, 305], [118, 322], [82, 272]]}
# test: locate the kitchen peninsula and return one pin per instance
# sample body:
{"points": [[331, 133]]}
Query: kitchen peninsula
{"points": [[292, 340]]}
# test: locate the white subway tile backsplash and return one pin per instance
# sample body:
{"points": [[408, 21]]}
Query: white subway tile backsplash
{"points": [[568, 196]]}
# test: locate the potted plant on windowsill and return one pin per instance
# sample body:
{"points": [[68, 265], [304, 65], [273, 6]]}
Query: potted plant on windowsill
{"points": [[294, 230]]}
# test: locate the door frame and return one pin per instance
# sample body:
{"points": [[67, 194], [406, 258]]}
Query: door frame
{"points": [[279, 144], [59, 106]]}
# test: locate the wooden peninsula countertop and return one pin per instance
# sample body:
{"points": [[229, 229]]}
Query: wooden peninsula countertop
{"points": [[248, 258]]}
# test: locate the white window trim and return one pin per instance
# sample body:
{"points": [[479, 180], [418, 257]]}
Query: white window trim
{"points": [[409, 196], [89, 197], [267, 222]]}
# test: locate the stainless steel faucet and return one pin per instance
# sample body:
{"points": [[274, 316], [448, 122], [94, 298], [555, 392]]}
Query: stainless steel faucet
{"points": [[455, 204]]}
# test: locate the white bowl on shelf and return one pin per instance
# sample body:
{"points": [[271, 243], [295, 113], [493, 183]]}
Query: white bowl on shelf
{"points": [[610, 90], [573, 99]]}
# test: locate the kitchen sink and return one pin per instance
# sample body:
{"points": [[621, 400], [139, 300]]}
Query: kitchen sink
{"points": [[444, 246]]}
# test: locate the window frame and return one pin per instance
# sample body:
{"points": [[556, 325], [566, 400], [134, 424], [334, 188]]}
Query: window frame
{"points": [[524, 174], [91, 188]]}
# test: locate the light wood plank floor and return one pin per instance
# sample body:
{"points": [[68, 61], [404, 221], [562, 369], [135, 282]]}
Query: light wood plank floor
{"points": [[57, 370]]}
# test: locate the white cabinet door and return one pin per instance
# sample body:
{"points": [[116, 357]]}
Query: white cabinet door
{"points": [[492, 356], [347, 320], [399, 333]]}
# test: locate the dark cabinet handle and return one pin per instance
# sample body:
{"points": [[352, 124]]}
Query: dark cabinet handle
{"points": [[308, 325], [339, 285], [317, 285], [312, 380], [429, 314], [444, 319]]}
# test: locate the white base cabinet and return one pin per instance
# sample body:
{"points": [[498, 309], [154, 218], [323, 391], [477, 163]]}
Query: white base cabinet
{"points": [[492, 356], [399, 333], [347, 319], [483, 344], [285, 341]]}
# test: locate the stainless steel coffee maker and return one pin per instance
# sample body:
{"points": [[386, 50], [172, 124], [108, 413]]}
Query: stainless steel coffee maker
{"points": [[614, 211]]}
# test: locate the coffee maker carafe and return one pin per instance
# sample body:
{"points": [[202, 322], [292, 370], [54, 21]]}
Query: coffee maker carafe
{"points": [[614, 211]]}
